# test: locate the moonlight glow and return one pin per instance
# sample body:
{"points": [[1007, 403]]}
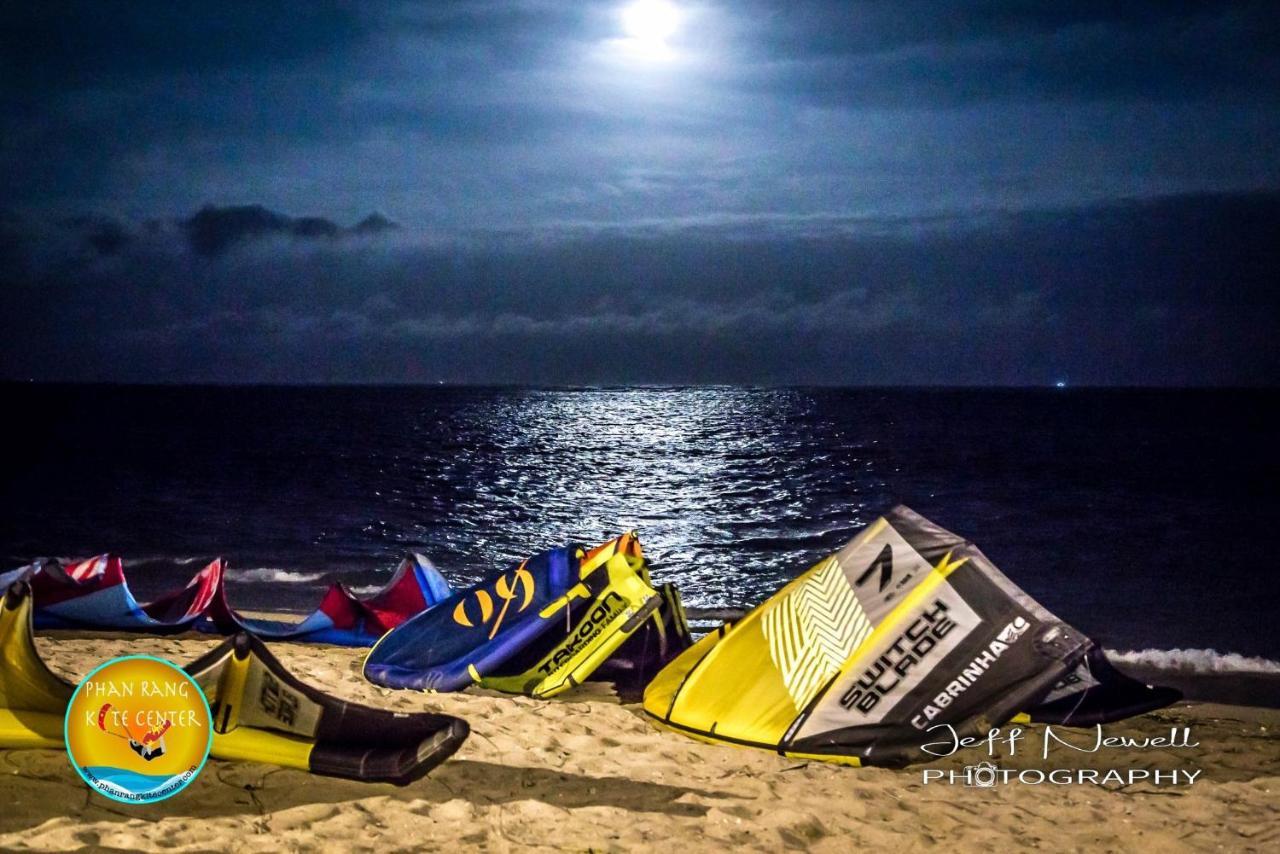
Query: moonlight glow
{"points": [[649, 24]]}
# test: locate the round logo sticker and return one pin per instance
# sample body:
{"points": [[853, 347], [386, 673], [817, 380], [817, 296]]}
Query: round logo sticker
{"points": [[138, 729]]}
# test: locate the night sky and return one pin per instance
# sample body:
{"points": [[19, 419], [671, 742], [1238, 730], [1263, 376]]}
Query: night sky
{"points": [[560, 192]]}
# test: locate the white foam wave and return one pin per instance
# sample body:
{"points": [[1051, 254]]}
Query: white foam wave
{"points": [[365, 589], [279, 576], [1195, 661]]}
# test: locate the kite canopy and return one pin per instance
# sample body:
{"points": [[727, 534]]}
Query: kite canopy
{"points": [[261, 712], [537, 629], [94, 594], [343, 618], [905, 628]]}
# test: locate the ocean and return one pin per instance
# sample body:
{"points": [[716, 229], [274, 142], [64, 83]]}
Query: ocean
{"points": [[1144, 517]]}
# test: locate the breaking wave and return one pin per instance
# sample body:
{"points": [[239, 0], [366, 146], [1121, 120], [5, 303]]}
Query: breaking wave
{"points": [[279, 576], [1195, 661], [364, 589]]}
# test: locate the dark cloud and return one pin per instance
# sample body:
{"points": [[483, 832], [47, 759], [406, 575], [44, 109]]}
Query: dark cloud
{"points": [[213, 229], [1178, 290], [374, 223]]}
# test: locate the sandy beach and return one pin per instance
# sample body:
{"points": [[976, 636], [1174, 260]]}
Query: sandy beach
{"points": [[589, 771]]}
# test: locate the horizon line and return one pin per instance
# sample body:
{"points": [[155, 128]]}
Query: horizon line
{"points": [[1055, 385]]}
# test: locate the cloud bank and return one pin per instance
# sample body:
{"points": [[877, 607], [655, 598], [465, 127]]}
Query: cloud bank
{"points": [[1178, 290]]}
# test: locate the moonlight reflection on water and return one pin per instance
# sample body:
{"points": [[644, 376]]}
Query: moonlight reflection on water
{"points": [[1092, 500], [700, 473]]}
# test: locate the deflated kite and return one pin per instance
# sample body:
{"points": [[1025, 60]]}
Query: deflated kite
{"points": [[537, 629], [261, 712], [905, 628], [343, 618], [94, 594]]}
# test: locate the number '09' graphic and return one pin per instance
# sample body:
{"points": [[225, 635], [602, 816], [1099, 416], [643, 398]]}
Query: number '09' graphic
{"points": [[507, 588]]}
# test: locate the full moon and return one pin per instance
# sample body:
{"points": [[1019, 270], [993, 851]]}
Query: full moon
{"points": [[650, 23]]}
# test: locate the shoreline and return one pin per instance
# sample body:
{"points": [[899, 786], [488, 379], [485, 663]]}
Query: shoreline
{"points": [[587, 770]]}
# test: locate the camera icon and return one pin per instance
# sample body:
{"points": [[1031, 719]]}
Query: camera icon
{"points": [[984, 775]]}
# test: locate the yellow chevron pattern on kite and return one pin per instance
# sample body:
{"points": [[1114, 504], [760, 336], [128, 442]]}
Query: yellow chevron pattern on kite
{"points": [[813, 631]]}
